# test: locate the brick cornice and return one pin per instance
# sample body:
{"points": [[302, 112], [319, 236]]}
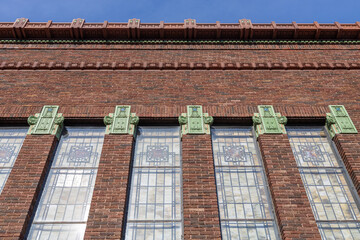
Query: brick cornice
{"points": [[78, 29], [179, 65]]}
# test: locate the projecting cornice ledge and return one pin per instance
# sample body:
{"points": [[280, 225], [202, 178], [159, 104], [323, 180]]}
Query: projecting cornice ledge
{"points": [[78, 29], [177, 66]]}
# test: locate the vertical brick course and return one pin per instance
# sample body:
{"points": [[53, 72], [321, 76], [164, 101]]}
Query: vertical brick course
{"points": [[292, 207], [201, 213], [17, 201], [108, 205], [348, 146]]}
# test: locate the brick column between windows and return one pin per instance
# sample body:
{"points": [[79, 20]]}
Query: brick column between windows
{"points": [[292, 207], [106, 217], [22, 189], [348, 146], [201, 213]]}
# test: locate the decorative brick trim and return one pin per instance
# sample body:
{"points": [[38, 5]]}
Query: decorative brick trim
{"points": [[348, 146], [292, 207], [236, 111], [178, 66], [22, 189], [188, 30], [108, 206], [201, 212]]}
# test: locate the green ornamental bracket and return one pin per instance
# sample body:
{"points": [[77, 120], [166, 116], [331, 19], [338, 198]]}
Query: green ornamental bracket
{"points": [[195, 121], [48, 122], [122, 121], [338, 121], [268, 122]]}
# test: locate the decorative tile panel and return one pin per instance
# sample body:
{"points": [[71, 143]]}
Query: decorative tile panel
{"points": [[195, 121], [268, 122], [338, 121], [46, 122], [122, 121]]}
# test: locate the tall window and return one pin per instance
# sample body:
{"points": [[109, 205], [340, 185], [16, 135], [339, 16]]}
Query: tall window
{"points": [[155, 203], [65, 202], [332, 197], [11, 140], [244, 202]]}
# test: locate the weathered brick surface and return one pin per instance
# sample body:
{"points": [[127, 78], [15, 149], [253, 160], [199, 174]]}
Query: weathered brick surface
{"points": [[201, 213], [348, 146], [24, 184], [292, 207], [106, 217], [157, 94]]}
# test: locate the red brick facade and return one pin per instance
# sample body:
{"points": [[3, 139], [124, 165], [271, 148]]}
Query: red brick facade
{"points": [[158, 79]]}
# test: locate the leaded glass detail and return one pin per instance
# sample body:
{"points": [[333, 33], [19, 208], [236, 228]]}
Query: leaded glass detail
{"points": [[155, 202], [57, 231], [333, 201], [243, 196], [11, 140], [64, 206]]}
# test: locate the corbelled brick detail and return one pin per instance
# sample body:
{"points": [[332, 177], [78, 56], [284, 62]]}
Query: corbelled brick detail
{"points": [[201, 212], [24, 184], [292, 207], [348, 146], [108, 206]]}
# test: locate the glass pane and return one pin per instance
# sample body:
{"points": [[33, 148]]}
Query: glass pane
{"points": [[11, 140], [57, 231], [242, 194], [157, 147], [241, 186], [340, 230], [80, 148], [4, 174], [158, 231], [248, 230], [155, 202], [155, 195], [67, 195], [329, 194]]}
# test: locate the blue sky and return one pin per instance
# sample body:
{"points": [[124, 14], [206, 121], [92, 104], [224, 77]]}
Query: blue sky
{"points": [[226, 11]]}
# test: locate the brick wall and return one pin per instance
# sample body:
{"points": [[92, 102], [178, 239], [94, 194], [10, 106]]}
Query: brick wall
{"points": [[201, 213], [302, 95], [22, 189]]}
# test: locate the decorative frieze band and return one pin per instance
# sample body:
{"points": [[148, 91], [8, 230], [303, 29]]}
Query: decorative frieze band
{"points": [[178, 66], [190, 29]]}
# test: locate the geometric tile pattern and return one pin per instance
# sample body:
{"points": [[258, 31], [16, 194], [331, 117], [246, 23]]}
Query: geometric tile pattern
{"points": [[6, 152], [80, 154], [311, 153], [157, 153], [234, 153]]}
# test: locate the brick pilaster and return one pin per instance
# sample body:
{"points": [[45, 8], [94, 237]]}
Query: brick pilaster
{"points": [[292, 207], [106, 217], [201, 213], [22, 189], [348, 146]]}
